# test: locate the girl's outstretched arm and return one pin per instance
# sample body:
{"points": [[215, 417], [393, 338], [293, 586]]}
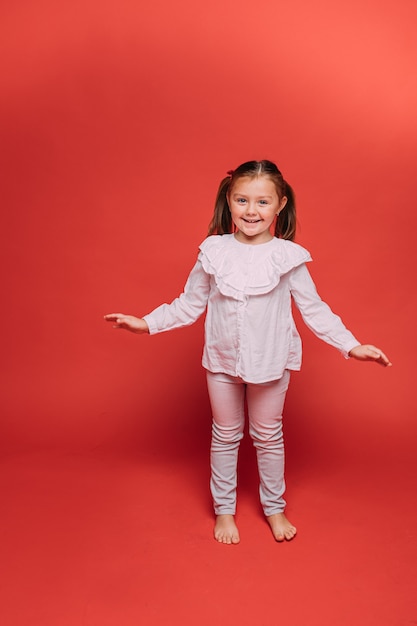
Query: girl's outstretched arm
{"points": [[370, 353], [128, 322]]}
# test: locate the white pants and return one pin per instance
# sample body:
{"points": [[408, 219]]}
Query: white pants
{"points": [[265, 404]]}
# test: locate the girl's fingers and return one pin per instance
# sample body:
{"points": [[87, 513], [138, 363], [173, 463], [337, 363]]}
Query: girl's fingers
{"points": [[371, 353], [381, 357], [113, 317], [385, 360]]}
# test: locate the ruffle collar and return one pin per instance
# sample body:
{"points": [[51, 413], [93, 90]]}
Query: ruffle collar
{"points": [[241, 269]]}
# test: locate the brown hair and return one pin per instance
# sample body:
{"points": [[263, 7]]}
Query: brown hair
{"points": [[285, 224]]}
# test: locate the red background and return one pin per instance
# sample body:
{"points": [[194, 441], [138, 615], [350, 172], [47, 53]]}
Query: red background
{"points": [[118, 121]]}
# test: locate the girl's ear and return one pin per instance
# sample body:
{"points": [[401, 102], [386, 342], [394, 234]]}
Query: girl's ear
{"points": [[282, 204]]}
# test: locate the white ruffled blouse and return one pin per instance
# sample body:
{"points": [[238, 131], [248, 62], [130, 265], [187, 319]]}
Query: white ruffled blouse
{"points": [[247, 291]]}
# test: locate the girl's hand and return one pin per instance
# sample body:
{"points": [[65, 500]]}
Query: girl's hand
{"points": [[128, 322], [370, 353]]}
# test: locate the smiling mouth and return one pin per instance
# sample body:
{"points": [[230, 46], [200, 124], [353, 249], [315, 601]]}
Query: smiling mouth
{"points": [[251, 221]]}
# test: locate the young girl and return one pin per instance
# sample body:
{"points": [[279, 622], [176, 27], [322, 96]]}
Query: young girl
{"points": [[245, 277]]}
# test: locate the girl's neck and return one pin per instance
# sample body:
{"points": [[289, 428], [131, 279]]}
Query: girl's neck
{"points": [[251, 241]]}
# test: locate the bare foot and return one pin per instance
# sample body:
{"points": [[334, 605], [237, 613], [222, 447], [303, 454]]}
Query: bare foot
{"points": [[281, 527], [225, 529]]}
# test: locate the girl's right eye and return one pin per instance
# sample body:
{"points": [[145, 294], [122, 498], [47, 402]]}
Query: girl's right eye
{"points": [[240, 200]]}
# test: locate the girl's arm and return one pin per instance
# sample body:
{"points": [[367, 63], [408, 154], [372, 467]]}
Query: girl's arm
{"points": [[187, 308], [183, 311], [328, 326]]}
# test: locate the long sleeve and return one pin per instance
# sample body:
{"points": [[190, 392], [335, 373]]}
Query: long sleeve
{"points": [[187, 308], [317, 315]]}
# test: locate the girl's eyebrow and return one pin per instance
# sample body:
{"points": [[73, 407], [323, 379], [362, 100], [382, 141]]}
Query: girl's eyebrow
{"points": [[236, 193]]}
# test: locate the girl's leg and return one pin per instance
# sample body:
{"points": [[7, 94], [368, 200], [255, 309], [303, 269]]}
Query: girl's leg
{"points": [[227, 396], [265, 407]]}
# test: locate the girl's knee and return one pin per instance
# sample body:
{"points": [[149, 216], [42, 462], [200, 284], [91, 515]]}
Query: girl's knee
{"points": [[226, 434], [268, 437]]}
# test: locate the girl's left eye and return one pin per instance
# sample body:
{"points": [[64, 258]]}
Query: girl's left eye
{"points": [[263, 202]]}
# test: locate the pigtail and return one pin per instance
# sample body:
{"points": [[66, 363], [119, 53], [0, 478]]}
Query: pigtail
{"points": [[287, 220], [221, 222]]}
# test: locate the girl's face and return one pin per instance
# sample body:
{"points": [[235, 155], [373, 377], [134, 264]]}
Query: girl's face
{"points": [[254, 205]]}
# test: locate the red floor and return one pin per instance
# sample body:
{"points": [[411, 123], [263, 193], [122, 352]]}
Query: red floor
{"points": [[100, 540]]}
